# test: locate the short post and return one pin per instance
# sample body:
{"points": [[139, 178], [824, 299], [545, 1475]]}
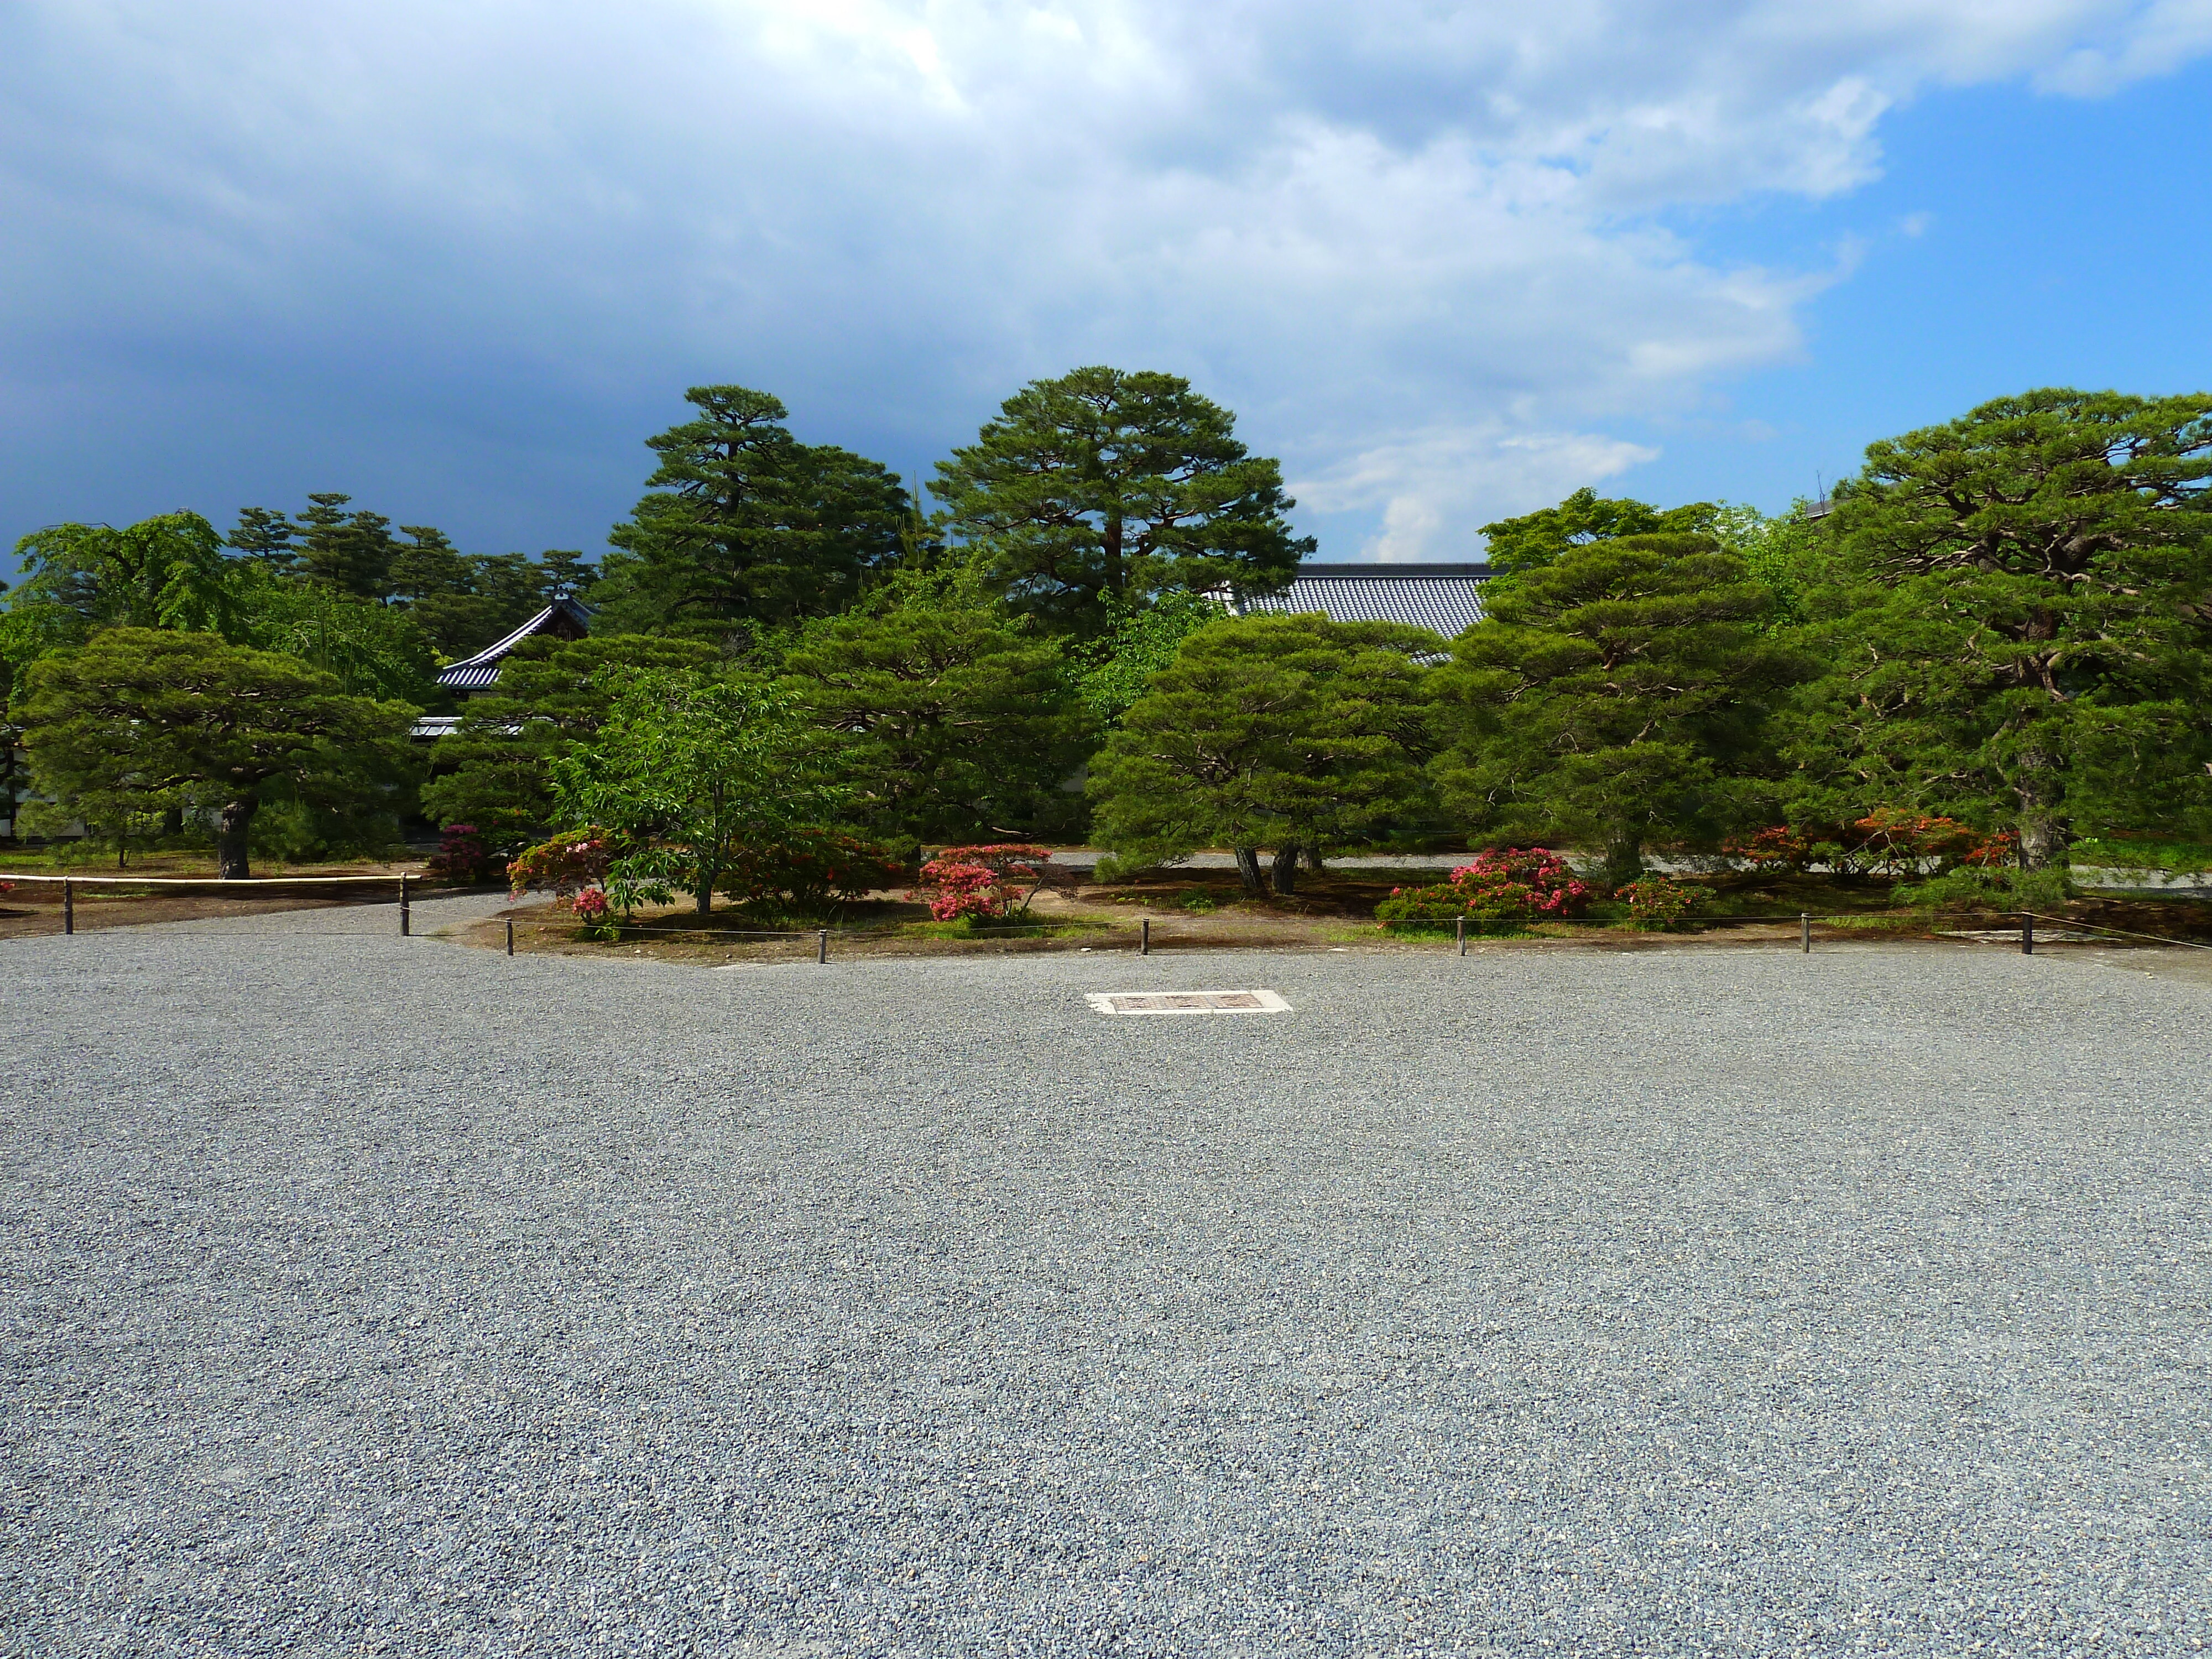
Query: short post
{"points": [[1805, 931], [403, 906], [68, 905], [1462, 928], [821, 947], [1144, 937], [510, 936], [2027, 932]]}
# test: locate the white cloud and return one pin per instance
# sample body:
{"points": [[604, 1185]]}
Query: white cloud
{"points": [[1412, 243]]}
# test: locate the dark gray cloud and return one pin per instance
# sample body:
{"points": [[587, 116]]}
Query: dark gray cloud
{"points": [[460, 260]]}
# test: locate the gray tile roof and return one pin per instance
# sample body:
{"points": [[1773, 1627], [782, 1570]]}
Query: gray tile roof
{"points": [[1447, 598], [565, 618]]}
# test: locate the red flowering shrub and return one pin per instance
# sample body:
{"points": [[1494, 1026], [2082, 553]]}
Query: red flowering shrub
{"points": [[1891, 842], [463, 859], [570, 862], [808, 870], [1657, 902], [984, 883], [1499, 892], [1787, 847]]}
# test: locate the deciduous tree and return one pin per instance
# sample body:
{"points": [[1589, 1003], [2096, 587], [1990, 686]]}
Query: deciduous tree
{"points": [[689, 769]]}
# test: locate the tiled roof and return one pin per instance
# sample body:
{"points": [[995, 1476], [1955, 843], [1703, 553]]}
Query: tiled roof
{"points": [[474, 673], [1447, 598]]}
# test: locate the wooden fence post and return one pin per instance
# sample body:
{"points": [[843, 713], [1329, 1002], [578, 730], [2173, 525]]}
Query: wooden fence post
{"points": [[1805, 930], [2027, 932], [69, 906], [403, 905], [1145, 936]]}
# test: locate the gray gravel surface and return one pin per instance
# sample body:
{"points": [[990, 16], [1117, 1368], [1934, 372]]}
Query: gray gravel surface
{"points": [[371, 1296]]}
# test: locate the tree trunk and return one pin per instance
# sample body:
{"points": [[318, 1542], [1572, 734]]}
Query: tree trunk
{"points": [[1285, 872], [704, 897], [2043, 826], [230, 827], [1312, 850], [1624, 861], [1248, 868]]}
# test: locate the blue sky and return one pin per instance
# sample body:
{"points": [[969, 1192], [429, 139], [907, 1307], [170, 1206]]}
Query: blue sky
{"points": [[1448, 262]]}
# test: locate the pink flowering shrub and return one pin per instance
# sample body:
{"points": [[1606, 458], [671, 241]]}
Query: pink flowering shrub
{"points": [[1498, 892], [991, 882], [1552, 887], [565, 865], [1656, 903]]}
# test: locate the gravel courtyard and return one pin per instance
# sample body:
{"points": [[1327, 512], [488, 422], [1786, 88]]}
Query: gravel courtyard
{"points": [[374, 1296]]}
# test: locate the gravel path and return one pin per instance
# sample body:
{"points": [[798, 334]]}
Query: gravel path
{"points": [[365, 1295]]}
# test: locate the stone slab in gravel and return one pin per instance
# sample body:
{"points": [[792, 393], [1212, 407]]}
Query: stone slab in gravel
{"points": [[372, 1296]]}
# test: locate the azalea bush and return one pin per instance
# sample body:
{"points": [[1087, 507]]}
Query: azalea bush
{"points": [[1499, 892], [1551, 886], [565, 865], [1891, 843], [1659, 903], [592, 908], [991, 882], [464, 858], [807, 871]]}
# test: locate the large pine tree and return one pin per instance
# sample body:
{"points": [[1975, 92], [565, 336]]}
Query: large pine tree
{"points": [[2018, 619], [747, 528]]}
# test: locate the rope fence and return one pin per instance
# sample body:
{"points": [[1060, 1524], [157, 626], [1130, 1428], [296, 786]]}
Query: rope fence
{"points": [[404, 883]]}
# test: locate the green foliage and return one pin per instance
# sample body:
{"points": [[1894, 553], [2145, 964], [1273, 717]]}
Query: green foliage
{"points": [[1977, 887], [1612, 698], [747, 528], [807, 872], [163, 572], [1117, 668], [2018, 622], [2133, 853], [141, 721], [459, 602], [688, 771], [1543, 537], [947, 714], [1267, 732], [1106, 484], [493, 770], [371, 650]]}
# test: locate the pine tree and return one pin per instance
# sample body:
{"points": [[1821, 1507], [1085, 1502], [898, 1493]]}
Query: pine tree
{"points": [[745, 528], [2019, 617], [1105, 484], [1612, 698]]}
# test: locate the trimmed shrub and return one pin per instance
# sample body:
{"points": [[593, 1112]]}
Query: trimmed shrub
{"points": [[808, 871]]}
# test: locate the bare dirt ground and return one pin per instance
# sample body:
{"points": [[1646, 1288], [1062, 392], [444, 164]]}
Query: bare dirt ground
{"points": [[33, 908], [1206, 910]]}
